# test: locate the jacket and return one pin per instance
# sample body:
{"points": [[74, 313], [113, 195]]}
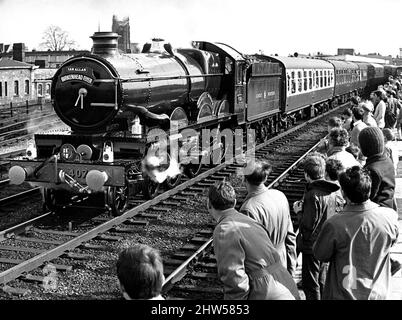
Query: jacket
{"points": [[354, 135], [379, 114], [270, 207], [248, 264], [346, 158], [320, 202], [382, 174], [356, 243]]}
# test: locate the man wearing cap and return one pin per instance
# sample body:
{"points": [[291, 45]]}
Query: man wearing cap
{"points": [[367, 115], [381, 171], [358, 125]]}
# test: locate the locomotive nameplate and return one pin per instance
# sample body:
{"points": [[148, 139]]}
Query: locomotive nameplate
{"points": [[84, 74], [78, 171], [76, 76]]}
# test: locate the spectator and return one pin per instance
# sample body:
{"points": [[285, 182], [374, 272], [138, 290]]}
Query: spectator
{"points": [[270, 207], [140, 273], [357, 243], [389, 147], [356, 153], [368, 116], [333, 168], [248, 264], [379, 165], [380, 108], [382, 173], [358, 125], [333, 122], [348, 120], [320, 202], [338, 141]]}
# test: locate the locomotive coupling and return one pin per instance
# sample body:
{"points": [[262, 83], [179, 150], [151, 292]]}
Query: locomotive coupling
{"points": [[96, 179], [17, 174]]}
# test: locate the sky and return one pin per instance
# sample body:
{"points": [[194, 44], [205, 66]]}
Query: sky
{"points": [[280, 26]]}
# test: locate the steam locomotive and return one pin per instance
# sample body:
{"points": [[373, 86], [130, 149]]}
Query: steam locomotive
{"points": [[113, 102]]}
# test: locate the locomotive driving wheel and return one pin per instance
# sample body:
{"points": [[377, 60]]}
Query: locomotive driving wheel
{"points": [[150, 188], [117, 199]]}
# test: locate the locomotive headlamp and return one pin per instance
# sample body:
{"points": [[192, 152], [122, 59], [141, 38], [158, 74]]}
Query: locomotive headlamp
{"points": [[67, 152], [17, 174], [96, 179]]}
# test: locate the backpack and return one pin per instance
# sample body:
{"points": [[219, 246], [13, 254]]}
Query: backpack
{"points": [[390, 117]]}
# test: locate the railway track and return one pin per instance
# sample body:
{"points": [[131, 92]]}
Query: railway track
{"points": [[23, 246]]}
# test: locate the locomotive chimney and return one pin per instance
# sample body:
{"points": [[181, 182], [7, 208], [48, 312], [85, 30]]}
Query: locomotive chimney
{"points": [[105, 43]]}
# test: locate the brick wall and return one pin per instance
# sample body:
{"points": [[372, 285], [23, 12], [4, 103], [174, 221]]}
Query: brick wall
{"points": [[9, 76]]}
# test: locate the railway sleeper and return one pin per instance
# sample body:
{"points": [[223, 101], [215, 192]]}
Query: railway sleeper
{"points": [[195, 288], [206, 265], [16, 291], [59, 267], [108, 237], [204, 275]]}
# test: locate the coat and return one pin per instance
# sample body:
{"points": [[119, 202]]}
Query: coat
{"points": [[356, 244], [320, 202], [248, 264], [382, 174], [354, 135], [270, 207], [379, 114], [369, 120]]}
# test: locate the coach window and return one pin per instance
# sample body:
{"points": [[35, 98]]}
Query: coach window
{"points": [[305, 80], [288, 81], [16, 88], [26, 86], [321, 80], [310, 80], [40, 90], [5, 89], [1, 89], [293, 82], [325, 78], [300, 81]]}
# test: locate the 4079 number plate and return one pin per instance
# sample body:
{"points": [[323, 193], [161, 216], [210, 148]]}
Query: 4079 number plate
{"points": [[77, 173]]}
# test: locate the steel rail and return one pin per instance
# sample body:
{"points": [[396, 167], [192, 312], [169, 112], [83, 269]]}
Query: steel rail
{"points": [[19, 195]]}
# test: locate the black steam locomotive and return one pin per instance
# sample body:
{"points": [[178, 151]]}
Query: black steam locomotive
{"points": [[113, 102]]}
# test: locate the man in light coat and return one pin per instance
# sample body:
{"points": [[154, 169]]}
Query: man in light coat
{"points": [[357, 243], [380, 108], [358, 125], [248, 264], [270, 207]]}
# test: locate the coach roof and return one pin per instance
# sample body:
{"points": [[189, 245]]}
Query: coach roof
{"points": [[302, 63]]}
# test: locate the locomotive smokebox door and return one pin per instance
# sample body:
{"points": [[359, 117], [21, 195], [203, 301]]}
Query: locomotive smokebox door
{"points": [[86, 93]]}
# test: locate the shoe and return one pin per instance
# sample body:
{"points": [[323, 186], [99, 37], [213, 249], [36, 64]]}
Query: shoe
{"points": [[395, 266]]}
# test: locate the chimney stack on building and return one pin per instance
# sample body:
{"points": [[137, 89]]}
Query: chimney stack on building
{"points": [[19, 52]]}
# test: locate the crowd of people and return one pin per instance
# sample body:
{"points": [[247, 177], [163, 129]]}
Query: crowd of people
{"points": [[347, 219]]}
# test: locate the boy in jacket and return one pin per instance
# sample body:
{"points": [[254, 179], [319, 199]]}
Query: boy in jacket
{"points": [[320, 202]]}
